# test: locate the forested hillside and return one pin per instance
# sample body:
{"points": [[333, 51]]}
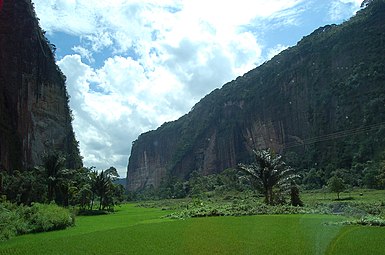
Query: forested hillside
{"points": [[319, 103]]}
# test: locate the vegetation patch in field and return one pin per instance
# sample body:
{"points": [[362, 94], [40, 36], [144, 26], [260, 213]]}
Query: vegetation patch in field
{"points": [[237, 208], [19, 219], [367, 221]]}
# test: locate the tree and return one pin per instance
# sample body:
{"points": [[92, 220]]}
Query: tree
{"points": [[83, 196], [268, 173], [112, 173], [313, 179], [229, 179], [102, 186], [25, 187], [336, 184], [66, 186], [196, 186], [295, 200], [53, 164], [79, 190], [94, 186]]}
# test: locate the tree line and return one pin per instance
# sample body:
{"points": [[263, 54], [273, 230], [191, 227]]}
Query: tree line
{"points": [[53, 182], [268, 175]]}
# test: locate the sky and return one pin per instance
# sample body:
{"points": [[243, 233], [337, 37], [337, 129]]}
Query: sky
{"points": [[132, 65]]}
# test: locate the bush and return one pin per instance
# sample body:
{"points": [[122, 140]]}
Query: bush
{"points": [[48, 217], [367, 221], [19, 219], [12, 221], [237, 207]]}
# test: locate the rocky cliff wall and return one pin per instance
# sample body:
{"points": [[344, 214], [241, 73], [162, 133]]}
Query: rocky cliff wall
{"points": [[34, 114], [321, 102]]}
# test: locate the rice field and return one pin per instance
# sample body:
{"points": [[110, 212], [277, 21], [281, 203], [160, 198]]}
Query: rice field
{"points": [[135, 230]]}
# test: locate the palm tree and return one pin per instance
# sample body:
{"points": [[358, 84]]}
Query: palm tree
{"points": [[102, 186], [53, 164], [94, 186], [103, 181], [268, 172]]}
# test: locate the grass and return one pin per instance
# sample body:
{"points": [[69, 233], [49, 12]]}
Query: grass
{"points": [[135, 230], [368, 196]]}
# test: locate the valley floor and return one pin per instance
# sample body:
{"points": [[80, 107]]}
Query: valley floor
{"points": [[136, 230]]}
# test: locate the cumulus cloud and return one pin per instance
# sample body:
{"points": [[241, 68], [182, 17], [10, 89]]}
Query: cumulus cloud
{"points": [[112, 105], [84, 53], [140, 63], [102, 113]]}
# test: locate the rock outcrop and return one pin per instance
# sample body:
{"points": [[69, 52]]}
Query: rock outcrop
{"points": [[34, 114], [320, 103]]}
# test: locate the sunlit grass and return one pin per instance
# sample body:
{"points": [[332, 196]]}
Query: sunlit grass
{"points": [[134, 230], [358, 240], [356, 195]]}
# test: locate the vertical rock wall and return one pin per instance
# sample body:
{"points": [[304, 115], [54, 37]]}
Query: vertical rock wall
{"points": [[34, 114]]}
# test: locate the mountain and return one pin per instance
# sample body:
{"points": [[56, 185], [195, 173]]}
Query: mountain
{"points": [[34, 114], [319, 103]]}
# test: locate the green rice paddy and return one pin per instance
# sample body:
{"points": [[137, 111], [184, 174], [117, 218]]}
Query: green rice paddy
{"points": [[135, 230]]}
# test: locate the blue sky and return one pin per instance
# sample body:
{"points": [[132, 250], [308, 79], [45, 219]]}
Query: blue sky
{"points": [[131, 65]]}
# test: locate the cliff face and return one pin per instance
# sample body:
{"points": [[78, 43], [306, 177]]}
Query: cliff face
{"points": [[34, 113], [320, 103]]}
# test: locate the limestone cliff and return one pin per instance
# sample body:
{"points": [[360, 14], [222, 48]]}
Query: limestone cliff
{"points": [[34, 114], [321, 103]]}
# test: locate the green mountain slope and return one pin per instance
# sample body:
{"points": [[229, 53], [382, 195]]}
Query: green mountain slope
{"points": [[320, 103]]}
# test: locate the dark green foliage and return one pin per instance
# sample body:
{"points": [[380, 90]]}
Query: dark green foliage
{"points": [[172, 188], [198, 186], [367, 174], [53, 165], [66, 187], [314, 179], [24, 187], [295, 199], [381, 175]]}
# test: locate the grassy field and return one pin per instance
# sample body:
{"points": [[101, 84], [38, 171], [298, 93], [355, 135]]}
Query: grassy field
{"points": [[134, 230], [356, 195]]}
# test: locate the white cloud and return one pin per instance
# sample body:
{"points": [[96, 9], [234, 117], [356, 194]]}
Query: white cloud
{"points": [[112, 105], [83, 52], [150, 61]]}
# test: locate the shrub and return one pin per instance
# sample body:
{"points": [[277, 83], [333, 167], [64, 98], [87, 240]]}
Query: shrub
{"points": [[47, 217], [12, 221], [19, 219], [236, 208], [367, 221]]}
